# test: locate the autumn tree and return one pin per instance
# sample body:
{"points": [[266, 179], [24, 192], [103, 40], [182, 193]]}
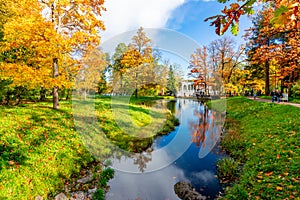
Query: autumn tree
{"points": [[118, 69], [200, 67], [91, 71], [138, 58], [44, 34], [285, 12], [225, 58], [172, 86], [273, 50]]}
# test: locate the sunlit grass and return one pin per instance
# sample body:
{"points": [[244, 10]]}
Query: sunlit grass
{"points": [[264, 138], [40, 148]]}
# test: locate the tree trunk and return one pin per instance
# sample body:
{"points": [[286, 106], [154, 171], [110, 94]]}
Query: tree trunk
{"points": [[136, 93], [42, 94], [68, 94], [267, 83], [55, 89], [136, 86]]}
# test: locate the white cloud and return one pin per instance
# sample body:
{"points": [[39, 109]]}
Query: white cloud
{"points": [[125, 15], [204, 176]]}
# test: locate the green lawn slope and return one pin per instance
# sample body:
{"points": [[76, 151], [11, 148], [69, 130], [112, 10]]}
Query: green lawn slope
{"points": [[264, 139], [40, 148]]}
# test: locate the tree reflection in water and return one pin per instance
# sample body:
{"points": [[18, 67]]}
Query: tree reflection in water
{"points": [[206, 126], [141, 159]]}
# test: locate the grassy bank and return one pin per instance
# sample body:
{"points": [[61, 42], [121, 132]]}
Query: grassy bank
{"points": [[40, 148], [264, 139]]}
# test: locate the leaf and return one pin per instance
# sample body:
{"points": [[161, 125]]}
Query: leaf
{"points": [[259, 176], [268, 173], [278, 188], [222, 1], [278, 156], [279, 11], [249, 10], [234, 29]]}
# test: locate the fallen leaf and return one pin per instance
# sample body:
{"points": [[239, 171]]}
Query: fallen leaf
{"points": [[260, 177], [278, 156], [278, 188], [269, 173], [11, 162]]}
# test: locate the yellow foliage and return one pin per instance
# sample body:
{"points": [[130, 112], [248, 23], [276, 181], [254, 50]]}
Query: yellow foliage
{"points": [[38, 32]]}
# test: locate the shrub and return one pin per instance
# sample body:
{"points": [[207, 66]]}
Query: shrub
{"points": [[99, 195], [296, 89]]}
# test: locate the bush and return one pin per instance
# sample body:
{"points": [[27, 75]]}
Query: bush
{"points": [[296, 89], [99, 195]]}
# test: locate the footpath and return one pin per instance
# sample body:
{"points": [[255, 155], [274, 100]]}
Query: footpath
{"points": [[269, 101]]}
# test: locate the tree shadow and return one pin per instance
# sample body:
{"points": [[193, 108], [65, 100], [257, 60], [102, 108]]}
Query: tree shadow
{"points": [[11, 156]]}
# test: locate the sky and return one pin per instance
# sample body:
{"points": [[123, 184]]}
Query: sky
{"points": [[184, 17]]}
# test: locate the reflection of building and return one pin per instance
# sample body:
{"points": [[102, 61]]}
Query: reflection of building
{"points": [[186, 88]]}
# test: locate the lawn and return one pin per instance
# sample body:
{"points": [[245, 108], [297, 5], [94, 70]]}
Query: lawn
{"points": [[39, 150], [264, 140], [42, 148]]}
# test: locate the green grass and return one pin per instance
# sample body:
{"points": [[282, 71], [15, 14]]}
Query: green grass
{"points": [[227, 169], [264, 139], [41, 148]]}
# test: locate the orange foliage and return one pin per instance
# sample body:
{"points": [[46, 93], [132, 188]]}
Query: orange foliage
{"points": [[40, 31]]}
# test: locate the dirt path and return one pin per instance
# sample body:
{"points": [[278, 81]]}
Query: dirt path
{"points": [[269, 101]]}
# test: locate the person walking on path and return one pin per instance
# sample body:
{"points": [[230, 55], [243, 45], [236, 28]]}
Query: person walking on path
{"points": [[278, 95], [268, 101], [273, 95], [255, 94]]}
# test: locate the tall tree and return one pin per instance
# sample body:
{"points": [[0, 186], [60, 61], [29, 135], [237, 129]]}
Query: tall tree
{"points": [[172, 86], [225, 58], [90, 75], [274, 50], [138, 57], [200, 67], [117, 67], [50, 30]]}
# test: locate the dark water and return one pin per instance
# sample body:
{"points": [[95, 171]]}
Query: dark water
{"points": [[189, 153]]}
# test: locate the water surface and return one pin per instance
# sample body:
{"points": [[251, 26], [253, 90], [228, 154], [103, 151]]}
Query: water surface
{"points": [[189, 153]]}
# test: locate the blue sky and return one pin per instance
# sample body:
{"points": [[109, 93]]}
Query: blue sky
{"points": [[124, 17], [184, 16], [189, 19]]}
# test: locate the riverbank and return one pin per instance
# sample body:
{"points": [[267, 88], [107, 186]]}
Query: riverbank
{"points": [[263, 139], [41, 150]]}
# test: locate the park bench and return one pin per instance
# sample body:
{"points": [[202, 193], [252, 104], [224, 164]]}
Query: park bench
{"points": [[285, 97]]}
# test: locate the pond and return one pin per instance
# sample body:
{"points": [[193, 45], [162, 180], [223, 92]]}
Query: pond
{"points": [[189, 153]]}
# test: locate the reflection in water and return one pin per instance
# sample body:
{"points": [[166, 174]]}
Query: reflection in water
{"points": [[199, 129], [183, 155], [206, 130], [141, 159]]}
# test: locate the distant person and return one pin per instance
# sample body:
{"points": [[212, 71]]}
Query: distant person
{"points": [[255, 94], [273, 95], [278, 95]]}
